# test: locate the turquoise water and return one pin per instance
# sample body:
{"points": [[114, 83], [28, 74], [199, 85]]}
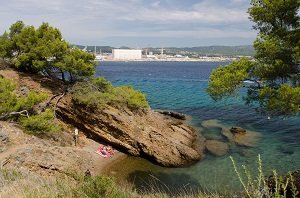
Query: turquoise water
{"points": [[181, 86]]}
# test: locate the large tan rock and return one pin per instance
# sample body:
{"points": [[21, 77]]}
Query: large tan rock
{"points": [[164, 140]]}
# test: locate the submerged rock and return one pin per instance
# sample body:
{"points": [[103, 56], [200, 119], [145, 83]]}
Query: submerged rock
{"points": [[168, 142], [214, 123], [235, 135], [249, 139], [238, 130], [217, 148]]}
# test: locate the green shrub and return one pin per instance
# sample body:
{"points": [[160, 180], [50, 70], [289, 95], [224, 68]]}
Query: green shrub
{"points": [[99, 92], [132, 98], [10, 101], [30, 100], [84, 93], [8, 98], [102, 84], [40, 124]]}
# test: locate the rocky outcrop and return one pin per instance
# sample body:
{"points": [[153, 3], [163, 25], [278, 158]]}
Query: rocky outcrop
{"points": [[173, 114], [164, 140]]}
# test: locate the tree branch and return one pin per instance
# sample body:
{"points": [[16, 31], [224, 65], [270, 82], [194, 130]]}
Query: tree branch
{"points": [[55, 107], [259, 84], [21, 113], [51, 99]]}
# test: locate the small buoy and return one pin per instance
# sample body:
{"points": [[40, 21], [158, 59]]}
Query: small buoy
{"points": [[269, 118]]}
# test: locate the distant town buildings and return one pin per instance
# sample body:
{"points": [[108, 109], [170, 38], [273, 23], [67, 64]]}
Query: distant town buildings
{"points": [[126, 54], [157, 55]]}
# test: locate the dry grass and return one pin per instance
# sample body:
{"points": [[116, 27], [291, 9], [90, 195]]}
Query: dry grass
{"points": [[25, 184]]}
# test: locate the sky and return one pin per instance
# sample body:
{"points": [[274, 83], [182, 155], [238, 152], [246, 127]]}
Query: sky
{"points": [[137, 23]]}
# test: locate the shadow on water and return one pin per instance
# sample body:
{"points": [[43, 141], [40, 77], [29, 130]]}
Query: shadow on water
{"points": [[172, 184]]}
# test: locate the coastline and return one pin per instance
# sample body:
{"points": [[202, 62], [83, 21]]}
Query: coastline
{"points": [[124, 164], [168, 60]]}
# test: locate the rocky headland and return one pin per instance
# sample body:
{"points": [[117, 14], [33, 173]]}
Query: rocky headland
{"points": [[159, 138]]}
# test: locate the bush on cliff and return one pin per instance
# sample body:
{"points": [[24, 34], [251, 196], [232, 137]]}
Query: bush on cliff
{"points": [[42, 123], [130, 97], [8, 98], [16, 106], [99, 92], [10, 101]]}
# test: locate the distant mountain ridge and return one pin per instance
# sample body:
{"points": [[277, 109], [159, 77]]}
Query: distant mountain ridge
{"points": [[242, 50]]}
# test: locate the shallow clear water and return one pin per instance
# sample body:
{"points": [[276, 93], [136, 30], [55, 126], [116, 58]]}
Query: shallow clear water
{"points": [[181, 86]]}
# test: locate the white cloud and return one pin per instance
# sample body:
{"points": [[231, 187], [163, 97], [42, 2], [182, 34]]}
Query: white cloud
{"points": [[108, 18], [198, 33]]}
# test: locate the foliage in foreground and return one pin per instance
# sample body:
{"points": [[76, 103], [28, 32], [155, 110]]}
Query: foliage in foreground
{"points": [[20, 184], [275, 70], [71, 184], [99, 92], [265, 187]]}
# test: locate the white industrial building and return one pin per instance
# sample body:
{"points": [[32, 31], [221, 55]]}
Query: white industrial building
{"points": [[126, 54]]}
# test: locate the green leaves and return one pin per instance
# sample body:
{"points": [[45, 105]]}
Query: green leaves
{"points": [[40, 124], [97, 93], [10, 101], [130, 97], [225, 80], [44, 50], [276, 66], [78, 64], [274, 17], [282, 101]]}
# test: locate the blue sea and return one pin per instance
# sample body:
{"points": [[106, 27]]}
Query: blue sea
{"points": [[181, 87]]}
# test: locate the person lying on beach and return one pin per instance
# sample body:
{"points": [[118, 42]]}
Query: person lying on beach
{"points": [[105, 151]]}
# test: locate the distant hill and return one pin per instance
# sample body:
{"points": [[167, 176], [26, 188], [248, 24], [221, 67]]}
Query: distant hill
{"points": [[243, 50]]}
